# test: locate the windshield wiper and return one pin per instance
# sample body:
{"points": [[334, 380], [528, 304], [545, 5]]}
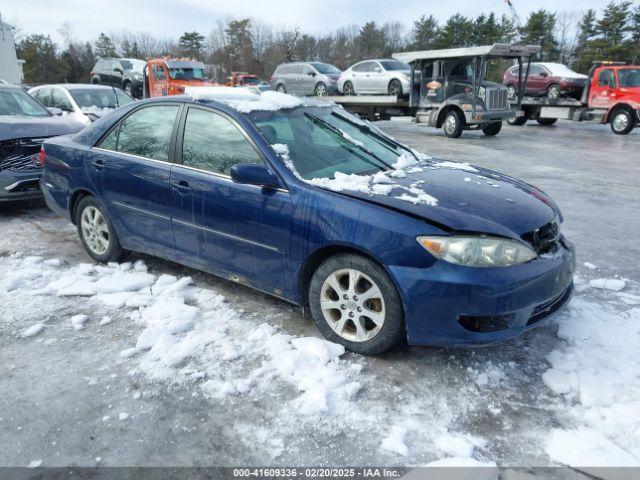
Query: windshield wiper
{"points": [[367, 129], [337, 131]]}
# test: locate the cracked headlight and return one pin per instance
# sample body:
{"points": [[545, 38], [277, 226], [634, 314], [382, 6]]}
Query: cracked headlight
{"points": [[477, 251]]}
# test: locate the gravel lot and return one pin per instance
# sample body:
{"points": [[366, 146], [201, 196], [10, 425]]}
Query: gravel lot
{"points": [[64, 390]]}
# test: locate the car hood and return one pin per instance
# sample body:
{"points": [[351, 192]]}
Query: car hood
{"points": [[469, 199], [34, 127]]}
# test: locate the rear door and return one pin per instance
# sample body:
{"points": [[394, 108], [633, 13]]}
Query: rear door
{"points": [[130, 170], [238, 231]]}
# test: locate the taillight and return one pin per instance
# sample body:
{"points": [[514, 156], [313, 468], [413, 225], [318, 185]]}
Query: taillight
{"points": [[42, 156]]}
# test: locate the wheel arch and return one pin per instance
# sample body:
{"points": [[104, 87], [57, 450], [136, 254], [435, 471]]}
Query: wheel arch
{"points": [[74, 200], [618, 106], [446, 109], [315, 259]]}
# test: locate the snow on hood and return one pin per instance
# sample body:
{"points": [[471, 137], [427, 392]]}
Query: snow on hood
{"points": [[14, 126], [247, 100], [457, 195]]}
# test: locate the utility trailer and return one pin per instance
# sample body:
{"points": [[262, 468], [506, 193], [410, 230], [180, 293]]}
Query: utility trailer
{"points": [[611, 95], [449, 90]]}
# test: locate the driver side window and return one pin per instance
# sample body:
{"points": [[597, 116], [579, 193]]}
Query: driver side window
{"points": [[214, 143], [607, 79], [60, 100]]}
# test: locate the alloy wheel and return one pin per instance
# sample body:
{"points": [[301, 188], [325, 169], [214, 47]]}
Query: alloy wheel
{"points": [[620, 122], [348, 89], [395, 88], [321, 90], [511, 91], [352, 305], [554, 92], [94, 230]]}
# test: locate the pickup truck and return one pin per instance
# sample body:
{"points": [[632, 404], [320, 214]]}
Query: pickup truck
{"points": [[170, 76], [611, 95]]}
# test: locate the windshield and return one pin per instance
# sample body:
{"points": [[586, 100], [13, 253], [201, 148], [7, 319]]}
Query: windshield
{"points": [[325, 68], [135, 65], [186, 74], [323, 141], [629, 77], [250, 80], [101, 98], [394, 65], [17, 102]]}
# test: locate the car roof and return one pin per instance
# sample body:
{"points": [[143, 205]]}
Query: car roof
{"points": [[76, 86]]}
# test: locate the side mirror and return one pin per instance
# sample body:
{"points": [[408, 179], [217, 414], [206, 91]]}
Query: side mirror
{"points": [[251, 174], [55, 111], [544, 74], [312, 74]]}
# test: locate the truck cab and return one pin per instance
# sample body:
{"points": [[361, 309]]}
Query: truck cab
{"points": [[615, 89], [170, 76]]}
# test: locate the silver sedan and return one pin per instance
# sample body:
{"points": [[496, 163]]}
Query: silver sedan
{"points": [[377, 77]]}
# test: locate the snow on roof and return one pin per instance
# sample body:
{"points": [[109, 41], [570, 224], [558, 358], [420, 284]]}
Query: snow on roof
{"points": [[495, 50], [247, 100]]}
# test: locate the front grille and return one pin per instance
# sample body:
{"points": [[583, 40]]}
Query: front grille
{"points": [[20, 154], [544, 239], [546, 309], [497, 99]]}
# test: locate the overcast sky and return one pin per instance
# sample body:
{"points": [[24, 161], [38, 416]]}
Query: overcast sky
{"points": [[170, 18]]}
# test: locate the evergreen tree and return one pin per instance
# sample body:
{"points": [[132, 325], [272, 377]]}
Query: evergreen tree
{"points": [[425, 33], [191, 44], [540, 30], [104, 47], [41, 62], [370, 41], [457, 32]]}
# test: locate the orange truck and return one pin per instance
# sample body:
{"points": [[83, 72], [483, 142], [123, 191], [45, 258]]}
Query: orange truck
{"points": [[170, 76]]}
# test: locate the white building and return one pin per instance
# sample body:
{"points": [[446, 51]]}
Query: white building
{"points": [[10, 66]]}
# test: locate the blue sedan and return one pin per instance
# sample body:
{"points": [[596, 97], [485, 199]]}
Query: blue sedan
{"points": [[300, 199]]}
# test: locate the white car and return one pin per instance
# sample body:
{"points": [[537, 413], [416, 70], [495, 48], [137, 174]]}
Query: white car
{"points": [[376, 77], [84, 102]]}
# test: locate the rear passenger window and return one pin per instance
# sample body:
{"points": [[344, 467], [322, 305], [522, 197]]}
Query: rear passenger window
{"points": [[213, 143], [361, 67], [146, 133]]}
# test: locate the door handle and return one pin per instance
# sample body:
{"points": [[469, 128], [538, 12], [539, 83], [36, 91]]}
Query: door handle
{"points": [[98, 164], [182, 186]]}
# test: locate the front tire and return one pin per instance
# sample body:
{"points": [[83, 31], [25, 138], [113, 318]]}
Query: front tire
{"points": [[320, 90], [453, 124], [546, 121], [96, 232], [348, 89], [354, 303], [395, 88], [492, 129], [622, 121]]}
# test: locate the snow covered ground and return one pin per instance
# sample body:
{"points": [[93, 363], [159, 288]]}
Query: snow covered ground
{"points": [[150, 363]]}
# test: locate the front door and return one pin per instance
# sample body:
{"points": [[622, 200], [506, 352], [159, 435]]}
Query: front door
{"points": [[130, 169], [238, 231], [600, 96], [160, 84]]}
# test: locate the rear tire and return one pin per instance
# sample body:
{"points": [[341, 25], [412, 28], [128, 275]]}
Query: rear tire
{"points": [[354, 303], [280, 88], [453, 124], [554, 91], [492, 129], [546, 121], [96, 232], [622, 121], [395, 88]]}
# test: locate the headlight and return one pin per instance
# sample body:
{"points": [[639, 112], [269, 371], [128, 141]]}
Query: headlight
{"points": [[476, 251]]}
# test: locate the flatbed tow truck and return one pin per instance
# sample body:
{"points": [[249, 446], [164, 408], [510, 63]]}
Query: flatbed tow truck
{"points": [[611, 95], [449, 90]]}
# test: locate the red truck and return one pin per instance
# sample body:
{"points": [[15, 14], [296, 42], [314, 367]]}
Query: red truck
{"points": [[611, 95], [170, 76]]}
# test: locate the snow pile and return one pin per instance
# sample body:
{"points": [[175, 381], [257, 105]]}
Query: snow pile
{"points": [[395, 441], [614, 284], [597, 373]]}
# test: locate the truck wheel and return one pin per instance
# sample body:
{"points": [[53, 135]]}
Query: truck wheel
{"points": [[622, 121], [546, 121], [348, 88], [453, 124], [492, 129], [320, 90], [280, 88], [554, 91], [354, 303], [395, 88]]}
